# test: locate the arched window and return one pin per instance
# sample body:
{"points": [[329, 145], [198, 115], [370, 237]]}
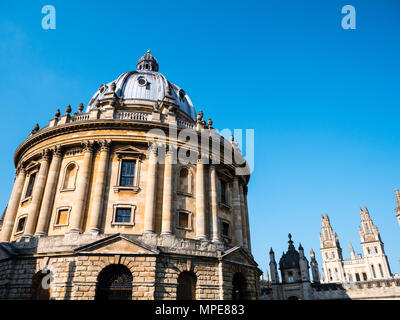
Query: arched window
{"points": [[326, 235], [330, 274], [186, 286], [70, 176], [40, 289], [114, 282], [185, 181], [239, 291], [357, 277]]}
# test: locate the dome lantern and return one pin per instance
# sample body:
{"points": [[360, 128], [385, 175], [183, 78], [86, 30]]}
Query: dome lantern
{"points": [[147, 63]]}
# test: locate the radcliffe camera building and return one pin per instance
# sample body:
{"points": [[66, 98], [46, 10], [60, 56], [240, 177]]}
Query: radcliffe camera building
{"points": [[94, 209], [364, 275]]}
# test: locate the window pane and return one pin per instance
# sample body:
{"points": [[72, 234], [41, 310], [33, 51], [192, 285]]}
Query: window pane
{"points": [[62, 217], [183, 220], [30, 185], [21, 224], [123, 215], [127, 173], [223, 192], [225, 229]]}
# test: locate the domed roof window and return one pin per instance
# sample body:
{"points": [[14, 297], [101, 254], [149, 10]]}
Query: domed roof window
{"points": [[142, 81]]}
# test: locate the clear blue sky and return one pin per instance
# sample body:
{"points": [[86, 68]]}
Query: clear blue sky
{"points": [[324, 102]]}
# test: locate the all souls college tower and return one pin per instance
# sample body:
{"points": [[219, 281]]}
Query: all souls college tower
{"points": [[103, 207]]}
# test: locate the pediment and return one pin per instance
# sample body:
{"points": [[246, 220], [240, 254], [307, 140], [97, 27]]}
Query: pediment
{"points": [[129, 150], [117, 244], [238, 255]]}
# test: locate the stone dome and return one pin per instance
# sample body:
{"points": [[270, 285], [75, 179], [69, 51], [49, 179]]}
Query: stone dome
{"points": [[145, 84], [291, 258]]}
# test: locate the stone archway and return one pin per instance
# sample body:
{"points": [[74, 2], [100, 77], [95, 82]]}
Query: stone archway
{"points": [[186, 289], [239, 290], [114, 282], [40, 287]]}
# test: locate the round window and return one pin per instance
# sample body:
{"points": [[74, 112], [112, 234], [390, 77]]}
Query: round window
{"points": [[142, 81]]}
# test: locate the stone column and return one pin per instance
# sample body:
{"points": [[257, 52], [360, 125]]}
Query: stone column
{"points": [[13, 204], [81, 190], [247, 219], [101, 177], [37, 194], [200, 201], [166, 227], [237, 214], [49, 192], [150, 202], [214, 204], [244, 220]]}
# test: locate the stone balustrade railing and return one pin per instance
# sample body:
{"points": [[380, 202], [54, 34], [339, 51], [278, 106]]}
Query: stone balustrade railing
{"points": [[111, 113]]}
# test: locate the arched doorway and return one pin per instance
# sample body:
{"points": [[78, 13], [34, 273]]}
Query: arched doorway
{"points": [[40, 287], [186, 286], [239, 287], [114, 282]]}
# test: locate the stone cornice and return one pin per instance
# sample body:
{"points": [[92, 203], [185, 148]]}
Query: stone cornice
{"points": [[100, 124]]}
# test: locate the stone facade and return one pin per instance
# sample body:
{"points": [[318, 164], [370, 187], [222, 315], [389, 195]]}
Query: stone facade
{"points": [[106, 194]]}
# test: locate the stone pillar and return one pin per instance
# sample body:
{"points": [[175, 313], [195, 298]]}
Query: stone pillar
{"points": [[244, 219], [247, 219], [13, 204], [78, 206], [37, 194], [49, 192], [101, 177], [200, 201], [237, 214], [214, 204], [166, 227], [151, 180]]}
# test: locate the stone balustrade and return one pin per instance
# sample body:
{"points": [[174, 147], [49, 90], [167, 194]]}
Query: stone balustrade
{"points": [[111, 113]]}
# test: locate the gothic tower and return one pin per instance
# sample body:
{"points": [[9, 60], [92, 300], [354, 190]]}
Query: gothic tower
{"points": [[331, 251], [373, 249]]}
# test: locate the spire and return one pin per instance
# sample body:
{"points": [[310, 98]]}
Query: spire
{"points": [[312, 254], [352, 253], [361, 213], [291, 246]]}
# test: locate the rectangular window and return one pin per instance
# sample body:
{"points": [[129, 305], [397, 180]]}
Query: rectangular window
{"points": [[127, 173], [21, 224], [123, 215], [357, 277], [183, 219], [364, 276], [223, 192], [31, 183], [225, 229], [62, 218]]}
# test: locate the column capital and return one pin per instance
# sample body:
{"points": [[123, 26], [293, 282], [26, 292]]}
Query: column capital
{"points": [[57, 151], [46, 153], [152, 149], [105, 145], [87, 146], [20, 169]]}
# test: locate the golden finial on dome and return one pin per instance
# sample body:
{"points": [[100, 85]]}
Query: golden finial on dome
{"points": [[148, 51]]}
